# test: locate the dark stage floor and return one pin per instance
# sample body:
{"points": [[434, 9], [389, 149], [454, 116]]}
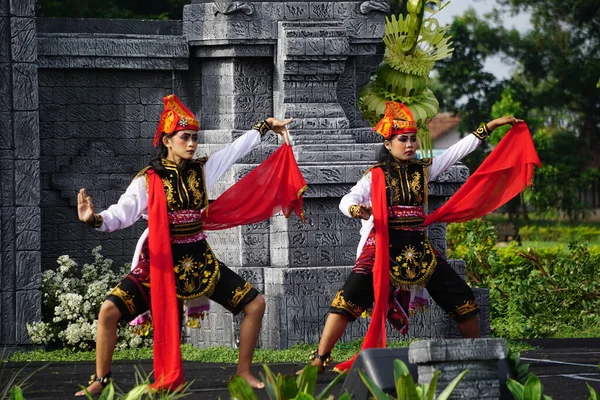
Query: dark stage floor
{"points": [[563, 365]]}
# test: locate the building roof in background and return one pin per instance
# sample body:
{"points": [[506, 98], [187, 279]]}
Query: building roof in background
{"points": [[442, 124]]}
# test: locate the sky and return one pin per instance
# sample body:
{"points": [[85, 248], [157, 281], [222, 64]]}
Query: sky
{"points": [[457, 7]]}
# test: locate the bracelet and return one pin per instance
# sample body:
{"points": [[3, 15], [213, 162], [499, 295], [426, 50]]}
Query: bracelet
{"points": [[354, 210], [262, 127], [97, 222], [482, 132]]}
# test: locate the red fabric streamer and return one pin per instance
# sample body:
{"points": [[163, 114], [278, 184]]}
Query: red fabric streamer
{"points": [[168, 368], [376, 335], [503, 174], [275, 185]]}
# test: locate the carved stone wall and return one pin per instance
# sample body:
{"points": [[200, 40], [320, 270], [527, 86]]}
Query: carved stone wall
{"points": [[79, 104], [20, 266]]}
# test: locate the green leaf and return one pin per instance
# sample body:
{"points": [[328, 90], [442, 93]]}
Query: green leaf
{"points": [[515, 388], [307, 380], [16, 393], [373, 388], [432, 386], [303, 396], [108, 393], [593, 394], [327, 390], [270, 382], [533, 388], [406, 389], [451, 386], [286, 387], [240, 389]]}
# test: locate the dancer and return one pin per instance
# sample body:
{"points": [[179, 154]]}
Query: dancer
{"points": [[172, 191], [413, 263]]}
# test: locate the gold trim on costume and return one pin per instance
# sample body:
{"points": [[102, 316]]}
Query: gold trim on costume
{"points": [[125, 297], [194, 185], [469, 306], [340, 302], [239, 295]]}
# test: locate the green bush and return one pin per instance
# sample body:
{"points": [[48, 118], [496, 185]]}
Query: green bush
{"points": [[559, 233], [72, 297], [533, 293]]}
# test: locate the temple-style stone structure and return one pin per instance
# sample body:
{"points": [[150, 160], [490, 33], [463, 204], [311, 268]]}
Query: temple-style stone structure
{"points": [[79, 104]]}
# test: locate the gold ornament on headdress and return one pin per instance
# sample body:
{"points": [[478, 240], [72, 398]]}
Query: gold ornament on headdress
{"points": [[397, 119], [175, 117]]}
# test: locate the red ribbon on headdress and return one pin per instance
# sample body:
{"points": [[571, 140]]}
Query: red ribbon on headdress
{"points": [[503, 174]]}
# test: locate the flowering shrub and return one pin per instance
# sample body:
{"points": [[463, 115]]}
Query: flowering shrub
{"points": [[72, 297]]}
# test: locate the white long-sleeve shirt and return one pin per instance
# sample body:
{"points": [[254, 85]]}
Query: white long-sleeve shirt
{"points": [[361, 192], [133, 204]]}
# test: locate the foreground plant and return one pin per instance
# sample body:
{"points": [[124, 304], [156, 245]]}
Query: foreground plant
{"points": [[406, 389], [286, 387], [141, 390]]}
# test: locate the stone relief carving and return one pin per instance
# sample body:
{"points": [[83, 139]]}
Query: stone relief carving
{"points": [[374, 5], [234, 8]]}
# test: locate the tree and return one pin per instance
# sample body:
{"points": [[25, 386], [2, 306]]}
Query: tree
{"points": [[554, 89]]}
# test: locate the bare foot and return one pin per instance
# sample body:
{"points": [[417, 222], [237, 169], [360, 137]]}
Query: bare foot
{"points": [[94, 388], [252, 381]]}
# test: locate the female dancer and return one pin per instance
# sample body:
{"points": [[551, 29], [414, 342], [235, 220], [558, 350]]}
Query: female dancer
{"points": [[195, 271], [414, 264]]}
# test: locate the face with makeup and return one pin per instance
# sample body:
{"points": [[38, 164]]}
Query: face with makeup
{"points": [[403, 147], [181, 145]]}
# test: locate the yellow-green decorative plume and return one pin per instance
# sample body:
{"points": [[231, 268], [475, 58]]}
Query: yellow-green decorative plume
{"points": [[413, 44]]}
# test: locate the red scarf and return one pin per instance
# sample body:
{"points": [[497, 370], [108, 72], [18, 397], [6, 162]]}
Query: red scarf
{"points": [[168, 369], [275, 185], [504, 173]]}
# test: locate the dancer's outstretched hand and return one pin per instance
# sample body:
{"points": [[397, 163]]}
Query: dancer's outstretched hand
{"points": [[498, 122], [85, 207]]}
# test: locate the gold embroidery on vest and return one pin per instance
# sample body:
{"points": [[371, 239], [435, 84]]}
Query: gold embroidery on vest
{"points": [[170, 193], [194, 185], [415, 186]]}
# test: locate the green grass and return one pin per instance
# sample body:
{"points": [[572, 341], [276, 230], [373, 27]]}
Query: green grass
{"points": [[297, 354]]}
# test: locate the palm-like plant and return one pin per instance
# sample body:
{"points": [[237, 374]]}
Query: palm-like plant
{"points": [[286, 387], [406, 389], [413, 44]]}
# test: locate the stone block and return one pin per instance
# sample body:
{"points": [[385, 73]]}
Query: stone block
{"points": [[22, 8], [126, 96], [24, 84], [26, 134], [8, 310], [28, 270], [27, 178], [23, 40], [448, 350], [28, 309], [6, 132], [296, 11], [27, 223]]}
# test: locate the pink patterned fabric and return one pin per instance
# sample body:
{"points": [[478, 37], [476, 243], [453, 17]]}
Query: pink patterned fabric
{"points": [[184, 216]]}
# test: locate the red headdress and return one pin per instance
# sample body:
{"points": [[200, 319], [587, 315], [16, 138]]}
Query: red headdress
{"points": [[175, 117], [397, 119]]}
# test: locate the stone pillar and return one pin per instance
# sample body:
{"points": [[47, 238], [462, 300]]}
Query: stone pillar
{"points": [[311, 56], [452, 356], [20, 236]]}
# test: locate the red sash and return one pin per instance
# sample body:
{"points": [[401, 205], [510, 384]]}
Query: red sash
{"points": [[503, 174]]}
